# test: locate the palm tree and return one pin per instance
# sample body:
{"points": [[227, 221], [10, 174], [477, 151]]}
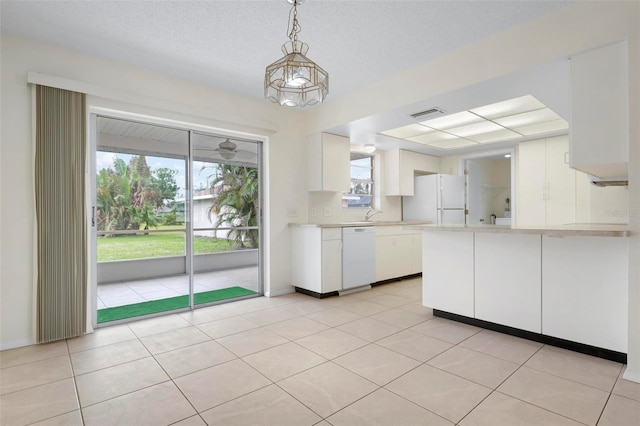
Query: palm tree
{"points": [[236, 202], [149, 217]]}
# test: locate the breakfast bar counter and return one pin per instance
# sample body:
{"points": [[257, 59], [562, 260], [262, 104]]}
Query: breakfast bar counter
{"points": [[562, 285]]}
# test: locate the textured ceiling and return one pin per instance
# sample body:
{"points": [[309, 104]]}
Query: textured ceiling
{"points": [[227, 44]]}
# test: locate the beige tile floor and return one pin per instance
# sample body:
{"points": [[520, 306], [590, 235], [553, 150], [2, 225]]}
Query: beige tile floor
{"points": [[371, 358]]}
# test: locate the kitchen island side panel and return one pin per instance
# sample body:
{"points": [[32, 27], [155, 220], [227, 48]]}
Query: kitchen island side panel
{"points": [[448, 272], [585, 290]]}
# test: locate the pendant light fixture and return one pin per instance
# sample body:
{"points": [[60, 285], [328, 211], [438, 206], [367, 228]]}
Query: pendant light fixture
{"points": [[295, 80]]}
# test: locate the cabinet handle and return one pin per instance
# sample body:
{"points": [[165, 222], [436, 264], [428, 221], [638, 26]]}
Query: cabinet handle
{"points": [[566, 157]]}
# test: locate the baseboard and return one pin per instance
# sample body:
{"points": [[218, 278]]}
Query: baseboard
{"points": [[280, 292], [17, 344], [537, 337], [354, 290], [393, 280], [315, 294]]}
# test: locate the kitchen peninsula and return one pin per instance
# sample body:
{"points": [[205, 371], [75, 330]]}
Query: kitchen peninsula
{"points": [[563, 285]]}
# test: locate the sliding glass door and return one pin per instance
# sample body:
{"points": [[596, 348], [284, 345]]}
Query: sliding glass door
{"points": [[176, 219]]}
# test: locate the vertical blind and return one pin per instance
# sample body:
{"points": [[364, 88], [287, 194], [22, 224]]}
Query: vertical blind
{"points": [[60, 213]]}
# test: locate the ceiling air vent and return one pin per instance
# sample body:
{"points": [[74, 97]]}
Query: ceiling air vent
{"points": [[426, 112]]}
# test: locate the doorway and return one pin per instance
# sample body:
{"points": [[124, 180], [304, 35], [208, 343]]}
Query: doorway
{"points": [[176, 219], [490, 188]]}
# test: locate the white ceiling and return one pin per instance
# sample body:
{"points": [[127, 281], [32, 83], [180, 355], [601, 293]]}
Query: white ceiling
{"points": [[228, 43]]}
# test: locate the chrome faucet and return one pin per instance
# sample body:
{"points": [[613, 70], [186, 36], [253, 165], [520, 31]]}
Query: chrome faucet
{"points": [[370, 213]]}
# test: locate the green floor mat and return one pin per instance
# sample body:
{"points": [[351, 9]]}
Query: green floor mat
{"points": [[163, 305]]}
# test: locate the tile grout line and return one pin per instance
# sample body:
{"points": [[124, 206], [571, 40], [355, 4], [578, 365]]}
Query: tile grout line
{"points": [[75, 383]]}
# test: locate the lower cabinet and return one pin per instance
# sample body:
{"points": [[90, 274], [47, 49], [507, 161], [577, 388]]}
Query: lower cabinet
{"points": [[507, 280], [331, 260], [571, 287], [398, 252], [584, 290], [316, 258], [447, 272]]}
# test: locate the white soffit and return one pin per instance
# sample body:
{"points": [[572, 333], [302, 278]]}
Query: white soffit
{"points": [[499, 122]]}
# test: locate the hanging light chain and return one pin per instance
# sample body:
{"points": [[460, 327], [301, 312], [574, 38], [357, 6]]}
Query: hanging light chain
{"points": [[294, 27]]}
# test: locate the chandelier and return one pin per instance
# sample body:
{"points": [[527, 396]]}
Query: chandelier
{"points": [[295, 80]]}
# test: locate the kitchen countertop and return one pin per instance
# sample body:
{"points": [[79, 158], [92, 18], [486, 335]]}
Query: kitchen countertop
{"points": [[576, 229], [362, 223]]}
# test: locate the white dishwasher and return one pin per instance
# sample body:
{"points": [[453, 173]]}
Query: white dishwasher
{"points": [[358, 256]]}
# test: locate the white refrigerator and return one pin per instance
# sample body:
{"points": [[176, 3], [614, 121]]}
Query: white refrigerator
{"points": [[438, 198]]}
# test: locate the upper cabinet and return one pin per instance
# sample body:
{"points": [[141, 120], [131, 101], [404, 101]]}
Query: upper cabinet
{"points": [[600, 111], [400, 168], [546, 188], [328, 163]]}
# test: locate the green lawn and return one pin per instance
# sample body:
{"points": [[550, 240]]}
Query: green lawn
{"points": [[123, 247]]}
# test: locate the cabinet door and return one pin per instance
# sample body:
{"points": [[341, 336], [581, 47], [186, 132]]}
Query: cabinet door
{"points": [[328, 163], [584, 290], [306, 258], [331, 266], [384, 257], [599, 111], [447, 272], [561, 183], [508, 280], [401, 167], [531, 184]]}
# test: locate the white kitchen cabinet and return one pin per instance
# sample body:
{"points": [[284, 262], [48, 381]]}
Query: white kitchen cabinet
{"points": [[508, 280], [447, 272], [546, 188], [600, 111], [416, 253], [397, 254], [329, 163], [401, 167], [316, 258], [584, 290]]}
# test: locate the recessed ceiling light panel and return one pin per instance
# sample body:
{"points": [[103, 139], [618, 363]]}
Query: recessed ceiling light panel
{"points": [[509, 107], [497, 136], [527, 118], [453, 144], [433, 137], [407, 131], [452, 120], [475, 129], [503, 121], [549, 126]]}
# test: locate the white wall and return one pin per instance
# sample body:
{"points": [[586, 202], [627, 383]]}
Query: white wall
{"points": [[600, 205], [125, 88]]}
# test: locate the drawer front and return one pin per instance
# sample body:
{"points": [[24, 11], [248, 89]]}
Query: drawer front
{"points": [[394, 230], [331, 234]]}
